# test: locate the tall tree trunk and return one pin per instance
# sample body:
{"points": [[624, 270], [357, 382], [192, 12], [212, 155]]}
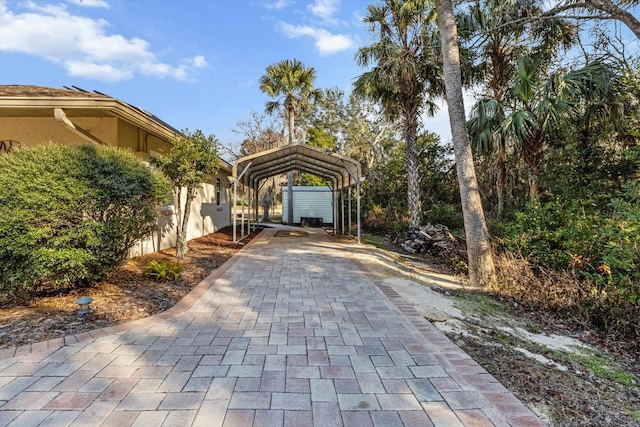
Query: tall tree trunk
{"points": [[534, 187], [181, 239], [481, 267], [412, 164], [533, 154]]}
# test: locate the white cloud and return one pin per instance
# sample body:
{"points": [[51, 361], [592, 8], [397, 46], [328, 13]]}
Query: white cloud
{"points": [[326, 43], [325, 9], [83, 45], [90, 3], [278, 4], [199, 61], [100, 72]]}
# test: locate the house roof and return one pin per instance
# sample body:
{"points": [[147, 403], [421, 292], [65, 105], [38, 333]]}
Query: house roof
{"points": [[39, 101], [256, 167]]}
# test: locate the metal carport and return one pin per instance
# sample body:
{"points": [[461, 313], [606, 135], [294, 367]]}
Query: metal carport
{"points": [[344, 173]]}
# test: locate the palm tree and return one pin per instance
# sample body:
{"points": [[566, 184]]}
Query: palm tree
{"points": [[536, 106], [291, 84], [498, 34], [405, 76], [481, 266]]}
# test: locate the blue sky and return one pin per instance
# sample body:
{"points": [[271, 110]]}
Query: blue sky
{"points": [[193, 63]]}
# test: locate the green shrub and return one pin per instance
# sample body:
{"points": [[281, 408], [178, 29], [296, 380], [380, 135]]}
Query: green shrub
{"points": [[387, 219], [163, 271], [70, 214], [548, 235], [445, 214], [593, 254]]}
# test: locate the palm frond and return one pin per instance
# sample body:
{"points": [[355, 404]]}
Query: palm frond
{"points": [[520, 126]]}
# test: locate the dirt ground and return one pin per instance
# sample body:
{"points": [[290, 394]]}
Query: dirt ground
{"points": [[568, 375]]}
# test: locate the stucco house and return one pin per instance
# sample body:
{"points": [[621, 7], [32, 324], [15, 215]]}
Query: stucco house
{"points": [[31, 115]]}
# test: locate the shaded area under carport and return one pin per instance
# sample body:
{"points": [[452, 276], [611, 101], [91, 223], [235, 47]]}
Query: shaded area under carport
{"points": [[344, 173]]}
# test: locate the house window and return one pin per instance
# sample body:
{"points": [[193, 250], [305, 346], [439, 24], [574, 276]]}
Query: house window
{"points": [[218, 191]]}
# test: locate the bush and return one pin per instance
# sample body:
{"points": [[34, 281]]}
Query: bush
{"points": [[575, 255], [70, 214], [445, 214], [547, 235], [609, 308], [379, 219], [164, 271]]}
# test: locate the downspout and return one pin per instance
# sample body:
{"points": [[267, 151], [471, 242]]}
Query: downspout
{"points": [[61, 117]]}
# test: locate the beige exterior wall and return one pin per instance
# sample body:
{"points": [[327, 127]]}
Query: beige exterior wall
{"points": [[30, 131], [155, 144], [128, 136]]}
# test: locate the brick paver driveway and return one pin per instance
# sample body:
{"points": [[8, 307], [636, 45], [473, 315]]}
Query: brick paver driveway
{"points": [[290, 332]]}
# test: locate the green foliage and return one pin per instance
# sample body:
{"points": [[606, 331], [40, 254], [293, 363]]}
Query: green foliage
{"points": [[547, 235], [290, 84], [379, 219], [386, 202], [192, 161], [619, 257], [164, 271], [600, 248], [70, 213], [313, 180], [448, 214], [560, 234]]}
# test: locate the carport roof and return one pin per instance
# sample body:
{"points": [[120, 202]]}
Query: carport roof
{"points": [[256, 167]]}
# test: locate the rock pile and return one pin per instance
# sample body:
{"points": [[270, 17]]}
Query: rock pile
{"points": [[428, 239]]}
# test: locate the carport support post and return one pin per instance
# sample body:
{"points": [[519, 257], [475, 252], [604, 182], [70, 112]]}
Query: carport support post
{"points": [[242, 215], [358, 204], [335, 206], [342, 209], [235, 207], [257, 202], [235, 197], [290, 198], [349, 189]]}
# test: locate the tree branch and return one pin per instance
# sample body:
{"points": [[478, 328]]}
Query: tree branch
{"points": [[606, 6]]}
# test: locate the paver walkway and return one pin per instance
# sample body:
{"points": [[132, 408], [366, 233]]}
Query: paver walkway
{"points": [[290, 332]]}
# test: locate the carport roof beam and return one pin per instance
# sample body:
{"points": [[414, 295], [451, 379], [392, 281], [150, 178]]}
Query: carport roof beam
{"points": [[293, 157]]}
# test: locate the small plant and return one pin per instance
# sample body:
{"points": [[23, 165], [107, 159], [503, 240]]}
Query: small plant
{"points": [[164, 271]]}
